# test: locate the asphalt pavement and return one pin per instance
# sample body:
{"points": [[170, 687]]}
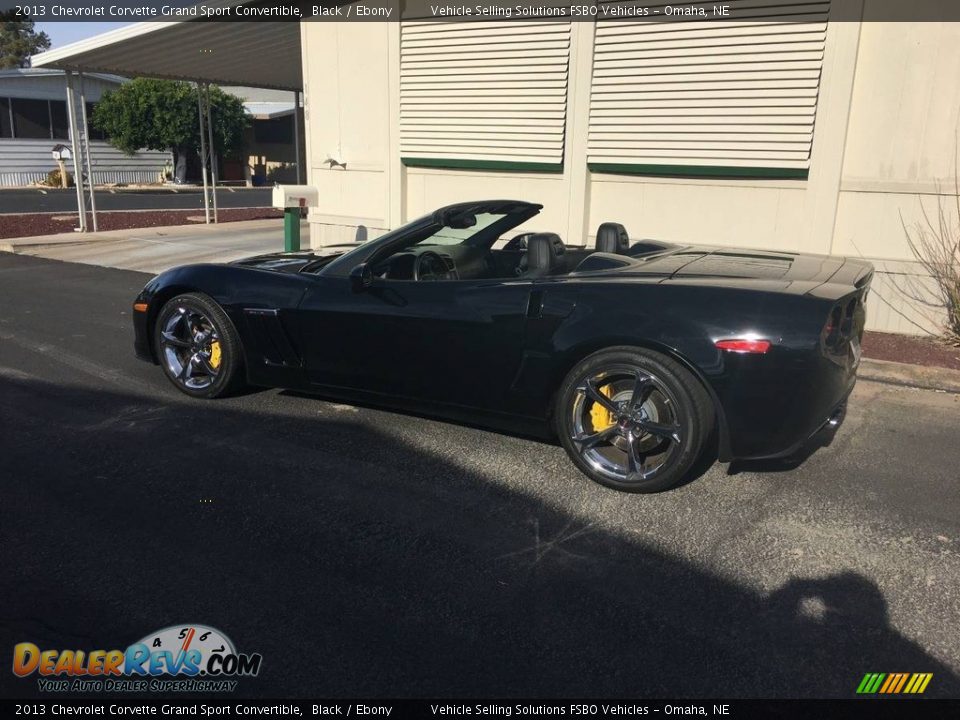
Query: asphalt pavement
{"points": [[369, 553], [37, 200]]}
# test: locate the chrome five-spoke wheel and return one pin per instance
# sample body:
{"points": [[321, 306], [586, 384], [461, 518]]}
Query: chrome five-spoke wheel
{"points": [[633, 419], [624, 424], [191, 348], [197, 346]]}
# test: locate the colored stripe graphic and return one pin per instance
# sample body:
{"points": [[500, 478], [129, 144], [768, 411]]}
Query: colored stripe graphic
{"points": [[870, 683], [894, 683], [903, 680]]}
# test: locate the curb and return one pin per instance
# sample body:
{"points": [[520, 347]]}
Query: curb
{"points": [[906, 375], [36, 242]]}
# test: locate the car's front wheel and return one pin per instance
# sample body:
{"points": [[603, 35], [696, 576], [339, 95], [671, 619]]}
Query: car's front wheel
{"points": [[198, 347], [632, 419]]}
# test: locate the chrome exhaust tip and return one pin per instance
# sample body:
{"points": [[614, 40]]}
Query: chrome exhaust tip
{"points": [[834, 420]]}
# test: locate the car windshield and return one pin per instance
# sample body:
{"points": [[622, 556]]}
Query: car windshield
{"points": [[455, 236]]}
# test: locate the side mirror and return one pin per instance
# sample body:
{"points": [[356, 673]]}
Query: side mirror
{"points": [[361, 277]]}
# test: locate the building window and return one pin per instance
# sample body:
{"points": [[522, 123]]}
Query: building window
{"points": [[39, 119], [5, 125], [31, 118], [58, 117], [484, 95], [718, 99]]}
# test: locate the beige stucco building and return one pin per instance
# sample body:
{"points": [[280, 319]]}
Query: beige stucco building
{"points": [[815, 137], [801, 125]]}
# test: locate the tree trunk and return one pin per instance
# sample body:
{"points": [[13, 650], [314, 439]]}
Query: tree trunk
{"points": [[180, 165]]}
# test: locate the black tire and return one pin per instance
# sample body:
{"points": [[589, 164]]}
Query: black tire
{"points": [[211, 373], [652, 404]]}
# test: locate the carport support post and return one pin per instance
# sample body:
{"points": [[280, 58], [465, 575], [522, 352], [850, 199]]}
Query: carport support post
{"points": [[213, 151], [75, 151], [291, 229], [86, 150], [203, 154], [296, 134]]}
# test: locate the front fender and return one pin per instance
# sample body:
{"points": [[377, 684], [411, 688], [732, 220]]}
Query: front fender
{"points": [[238, 290]]}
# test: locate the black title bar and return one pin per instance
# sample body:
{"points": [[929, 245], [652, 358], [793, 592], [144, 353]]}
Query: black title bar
{"points": [[473, 10], [875, 709]]}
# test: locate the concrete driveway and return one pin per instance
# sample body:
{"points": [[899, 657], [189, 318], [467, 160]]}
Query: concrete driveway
{"points": [[368, 553], [156, 249]]}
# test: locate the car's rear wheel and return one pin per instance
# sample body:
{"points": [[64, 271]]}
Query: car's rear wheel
{"points": [[633, 419], [198, 347]]}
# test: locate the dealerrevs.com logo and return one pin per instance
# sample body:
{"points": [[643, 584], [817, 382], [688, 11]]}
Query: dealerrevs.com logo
{"points": [[179, 658]]}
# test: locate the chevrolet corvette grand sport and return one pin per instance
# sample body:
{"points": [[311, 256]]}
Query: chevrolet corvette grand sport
{"points": [[639, 356]]}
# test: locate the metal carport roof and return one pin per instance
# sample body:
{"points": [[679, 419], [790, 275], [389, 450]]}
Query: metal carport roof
{"points": [[249, 53], [256, 54]]}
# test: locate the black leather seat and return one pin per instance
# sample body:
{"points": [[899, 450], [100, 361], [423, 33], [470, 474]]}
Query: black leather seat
{"points": [[544, 253], [612, 238]]}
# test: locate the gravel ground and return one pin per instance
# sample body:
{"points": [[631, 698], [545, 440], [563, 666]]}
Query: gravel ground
{"points": [[30, 225], [46, 200], [910, 349]]}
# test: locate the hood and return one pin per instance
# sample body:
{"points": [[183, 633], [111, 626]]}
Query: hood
{"points": [[293, 262]]}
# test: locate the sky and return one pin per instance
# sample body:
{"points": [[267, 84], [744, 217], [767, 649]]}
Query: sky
{"points": [[64, 33]]}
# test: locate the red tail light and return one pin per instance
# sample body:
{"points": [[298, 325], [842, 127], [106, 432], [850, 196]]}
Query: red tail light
{"points": [[829, 327], [744, 346]]}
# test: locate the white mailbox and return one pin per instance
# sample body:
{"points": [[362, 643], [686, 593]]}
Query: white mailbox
{"points": [[288, 196], [61, 152]]}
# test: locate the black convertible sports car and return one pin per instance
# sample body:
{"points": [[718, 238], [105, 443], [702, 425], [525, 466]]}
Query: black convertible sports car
{"points": [[636, 355]]}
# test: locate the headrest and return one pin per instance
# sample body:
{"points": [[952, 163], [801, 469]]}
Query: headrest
{"points": [[543, 249], [612, 238]]}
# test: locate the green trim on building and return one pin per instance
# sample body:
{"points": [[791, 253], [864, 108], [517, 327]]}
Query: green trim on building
{"points": [[701, 171], [501, 165]]}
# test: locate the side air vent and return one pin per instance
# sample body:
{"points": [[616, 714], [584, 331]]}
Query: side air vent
{"points": [[269, 338]]}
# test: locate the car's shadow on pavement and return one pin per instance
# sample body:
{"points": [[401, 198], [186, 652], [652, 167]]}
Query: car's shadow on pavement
{"points": [[823, 438], [706, 460], [359, 565]]}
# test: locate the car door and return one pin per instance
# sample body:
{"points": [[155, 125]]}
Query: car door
{"points": [[456, 341]]}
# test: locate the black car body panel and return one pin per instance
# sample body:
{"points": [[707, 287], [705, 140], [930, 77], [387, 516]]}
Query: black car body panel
{"points": [[494, 350]]}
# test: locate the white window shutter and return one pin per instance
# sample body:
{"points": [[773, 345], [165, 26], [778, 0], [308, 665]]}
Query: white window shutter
{"points": [[484, 94], [715, 97]]}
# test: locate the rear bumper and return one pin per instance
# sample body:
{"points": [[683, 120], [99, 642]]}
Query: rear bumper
{"points": [[822, 436], [773, 409]]}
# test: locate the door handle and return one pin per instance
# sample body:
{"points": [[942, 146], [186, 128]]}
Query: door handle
{"points": [[535, 303]]}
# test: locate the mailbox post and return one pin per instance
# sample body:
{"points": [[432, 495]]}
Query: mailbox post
{"points": [[291, 198], [61, 153], [291, 229]]}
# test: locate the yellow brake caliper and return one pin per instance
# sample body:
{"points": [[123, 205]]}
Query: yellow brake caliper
{"points": [[600, 417], [215, 354]]}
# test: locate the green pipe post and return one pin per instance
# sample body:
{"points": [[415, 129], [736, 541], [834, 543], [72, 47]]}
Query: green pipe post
{"points": [[291, 229]]}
